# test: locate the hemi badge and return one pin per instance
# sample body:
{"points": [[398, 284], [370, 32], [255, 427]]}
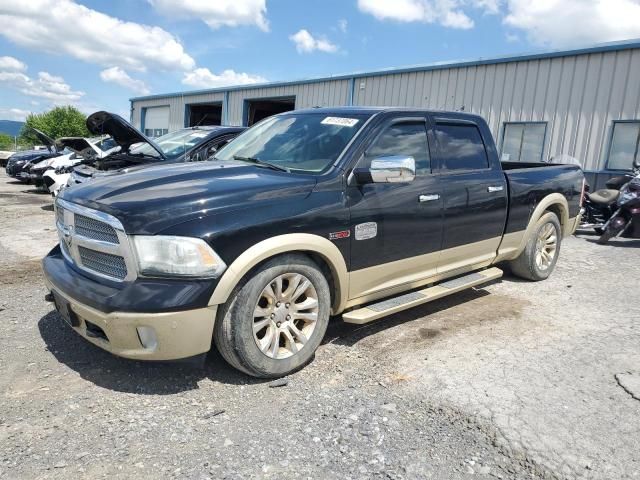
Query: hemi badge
{"points": [[341, 234]]}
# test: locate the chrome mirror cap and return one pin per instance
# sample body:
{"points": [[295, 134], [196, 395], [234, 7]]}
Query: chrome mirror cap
{"points": [[393, 169]]}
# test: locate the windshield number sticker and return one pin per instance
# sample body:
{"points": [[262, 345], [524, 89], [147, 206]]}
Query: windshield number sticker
{"points": [[365, 231], [340, 121]]}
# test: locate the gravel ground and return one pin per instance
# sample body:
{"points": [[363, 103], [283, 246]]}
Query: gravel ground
{"points": [[516, 381]]}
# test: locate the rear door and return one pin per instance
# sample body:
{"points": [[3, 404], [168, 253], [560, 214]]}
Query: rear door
{"points": [[395, 237], [475, 194]]}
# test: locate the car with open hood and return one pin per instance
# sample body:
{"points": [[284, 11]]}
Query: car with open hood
{"points": [[19, 164], [137, 150], [53, 173]]}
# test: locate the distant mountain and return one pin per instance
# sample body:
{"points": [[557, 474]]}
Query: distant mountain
{"points": [[10, 127]]}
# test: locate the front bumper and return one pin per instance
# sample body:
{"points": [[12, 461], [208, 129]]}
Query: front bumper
{"points": [[111, 317]]}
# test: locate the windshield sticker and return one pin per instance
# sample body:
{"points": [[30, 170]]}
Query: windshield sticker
{"points": [[199, 134], [340, 121]]}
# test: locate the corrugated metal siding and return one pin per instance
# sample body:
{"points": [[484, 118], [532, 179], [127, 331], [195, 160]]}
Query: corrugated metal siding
{"points": [[323, 94], [578, 96]]}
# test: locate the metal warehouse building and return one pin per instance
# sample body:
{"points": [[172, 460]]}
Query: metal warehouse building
{"points": [[584, 103]]}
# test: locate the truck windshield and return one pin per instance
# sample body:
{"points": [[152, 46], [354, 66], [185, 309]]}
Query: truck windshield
{"points": [[173, 144], [304, 142]]}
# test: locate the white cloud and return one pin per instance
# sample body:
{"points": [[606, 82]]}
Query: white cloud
{"points": [[11, 64], [120, 77], [307, 43], [46, 86], [447, 13], [562, 23], [14, 114], [217, 13], [342, 25], [63, 26], [204, 78]]}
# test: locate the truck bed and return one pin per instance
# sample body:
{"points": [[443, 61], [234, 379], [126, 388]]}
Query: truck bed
{"points": [[528, 183]]}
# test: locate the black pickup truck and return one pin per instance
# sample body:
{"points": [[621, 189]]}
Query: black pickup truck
{"points": [[359, 212]]}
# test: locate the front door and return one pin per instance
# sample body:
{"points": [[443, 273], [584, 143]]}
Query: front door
{"points": [[475, 196], [396, 228]]}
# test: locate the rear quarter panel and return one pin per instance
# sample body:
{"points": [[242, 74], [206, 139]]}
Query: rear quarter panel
{"points": [[529, 186]]}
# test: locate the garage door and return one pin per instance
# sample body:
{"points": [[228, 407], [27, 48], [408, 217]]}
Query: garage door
{"points": [[156, 121]]}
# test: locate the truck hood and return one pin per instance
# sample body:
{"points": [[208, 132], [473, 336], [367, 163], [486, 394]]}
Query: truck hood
{"points": [[152, 199], [122, 132]]}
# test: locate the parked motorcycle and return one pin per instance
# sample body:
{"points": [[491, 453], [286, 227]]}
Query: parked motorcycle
{"points": [[599, 206], [625, 219]]}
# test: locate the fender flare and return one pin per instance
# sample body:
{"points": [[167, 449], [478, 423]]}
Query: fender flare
{"points": [[551, 200], [292, 242]]}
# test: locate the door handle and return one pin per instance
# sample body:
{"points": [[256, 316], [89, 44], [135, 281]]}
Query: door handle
{"points": [[492, 189], [429, 198]]}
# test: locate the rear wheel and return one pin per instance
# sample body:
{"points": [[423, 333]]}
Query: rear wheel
{"points": [[273, 323], [608, 234], [539, 257]]}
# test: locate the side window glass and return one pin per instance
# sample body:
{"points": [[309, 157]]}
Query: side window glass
{"points": [[406, 139], [460, 147]]}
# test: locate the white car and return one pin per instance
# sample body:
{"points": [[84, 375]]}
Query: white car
{"points": [[59, 169]]}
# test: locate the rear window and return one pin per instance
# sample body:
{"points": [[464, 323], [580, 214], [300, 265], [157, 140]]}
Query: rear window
{"points": [[460, 147]]}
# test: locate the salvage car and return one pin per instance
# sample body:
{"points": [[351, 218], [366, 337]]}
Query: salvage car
{"points": [[54, 173], [19, 163], [137, 150], [352, 211]]}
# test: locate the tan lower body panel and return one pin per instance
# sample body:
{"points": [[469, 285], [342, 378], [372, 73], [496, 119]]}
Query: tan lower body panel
{"points": [[373, 312], [383, 280], [177, 334]]}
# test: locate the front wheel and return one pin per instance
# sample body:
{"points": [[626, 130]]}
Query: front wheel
{"points": [[539, 257], [273, 323]]}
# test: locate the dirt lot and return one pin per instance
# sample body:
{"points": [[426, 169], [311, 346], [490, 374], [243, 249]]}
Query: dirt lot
{"points": [[515, 380]]}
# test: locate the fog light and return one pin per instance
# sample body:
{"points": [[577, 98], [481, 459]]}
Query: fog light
{"points": [[147, 336]]}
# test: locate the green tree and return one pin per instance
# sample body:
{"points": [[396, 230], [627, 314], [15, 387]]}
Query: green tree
{"points": [[59, 122], [6, 142]]}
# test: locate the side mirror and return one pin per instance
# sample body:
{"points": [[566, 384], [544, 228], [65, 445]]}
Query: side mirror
{"points": [[392, 169]]}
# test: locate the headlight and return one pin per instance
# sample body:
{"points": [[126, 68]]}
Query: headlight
{"points": [[176, 256]]}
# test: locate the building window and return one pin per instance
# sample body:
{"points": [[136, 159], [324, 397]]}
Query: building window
{"points": [[523, 142], [625, 142]]}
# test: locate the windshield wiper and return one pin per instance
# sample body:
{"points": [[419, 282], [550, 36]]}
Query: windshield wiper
{"points": [[257, 161]]}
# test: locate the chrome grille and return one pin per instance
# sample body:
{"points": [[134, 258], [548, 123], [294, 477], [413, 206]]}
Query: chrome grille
{"points": [[105, 263], [95, 229], [95, 242]]}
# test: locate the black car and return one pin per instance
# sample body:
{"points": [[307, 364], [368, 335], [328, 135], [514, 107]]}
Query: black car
{"points": [[137, 150], [19, 164]]}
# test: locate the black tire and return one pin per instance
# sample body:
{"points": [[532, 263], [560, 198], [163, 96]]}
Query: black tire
{"points": [[525, 265], [607, 235], [233, 333]]}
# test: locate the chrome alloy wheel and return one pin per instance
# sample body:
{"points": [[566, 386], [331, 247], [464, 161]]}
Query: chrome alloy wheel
{"points": [[285, 316], [546, 246]]}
